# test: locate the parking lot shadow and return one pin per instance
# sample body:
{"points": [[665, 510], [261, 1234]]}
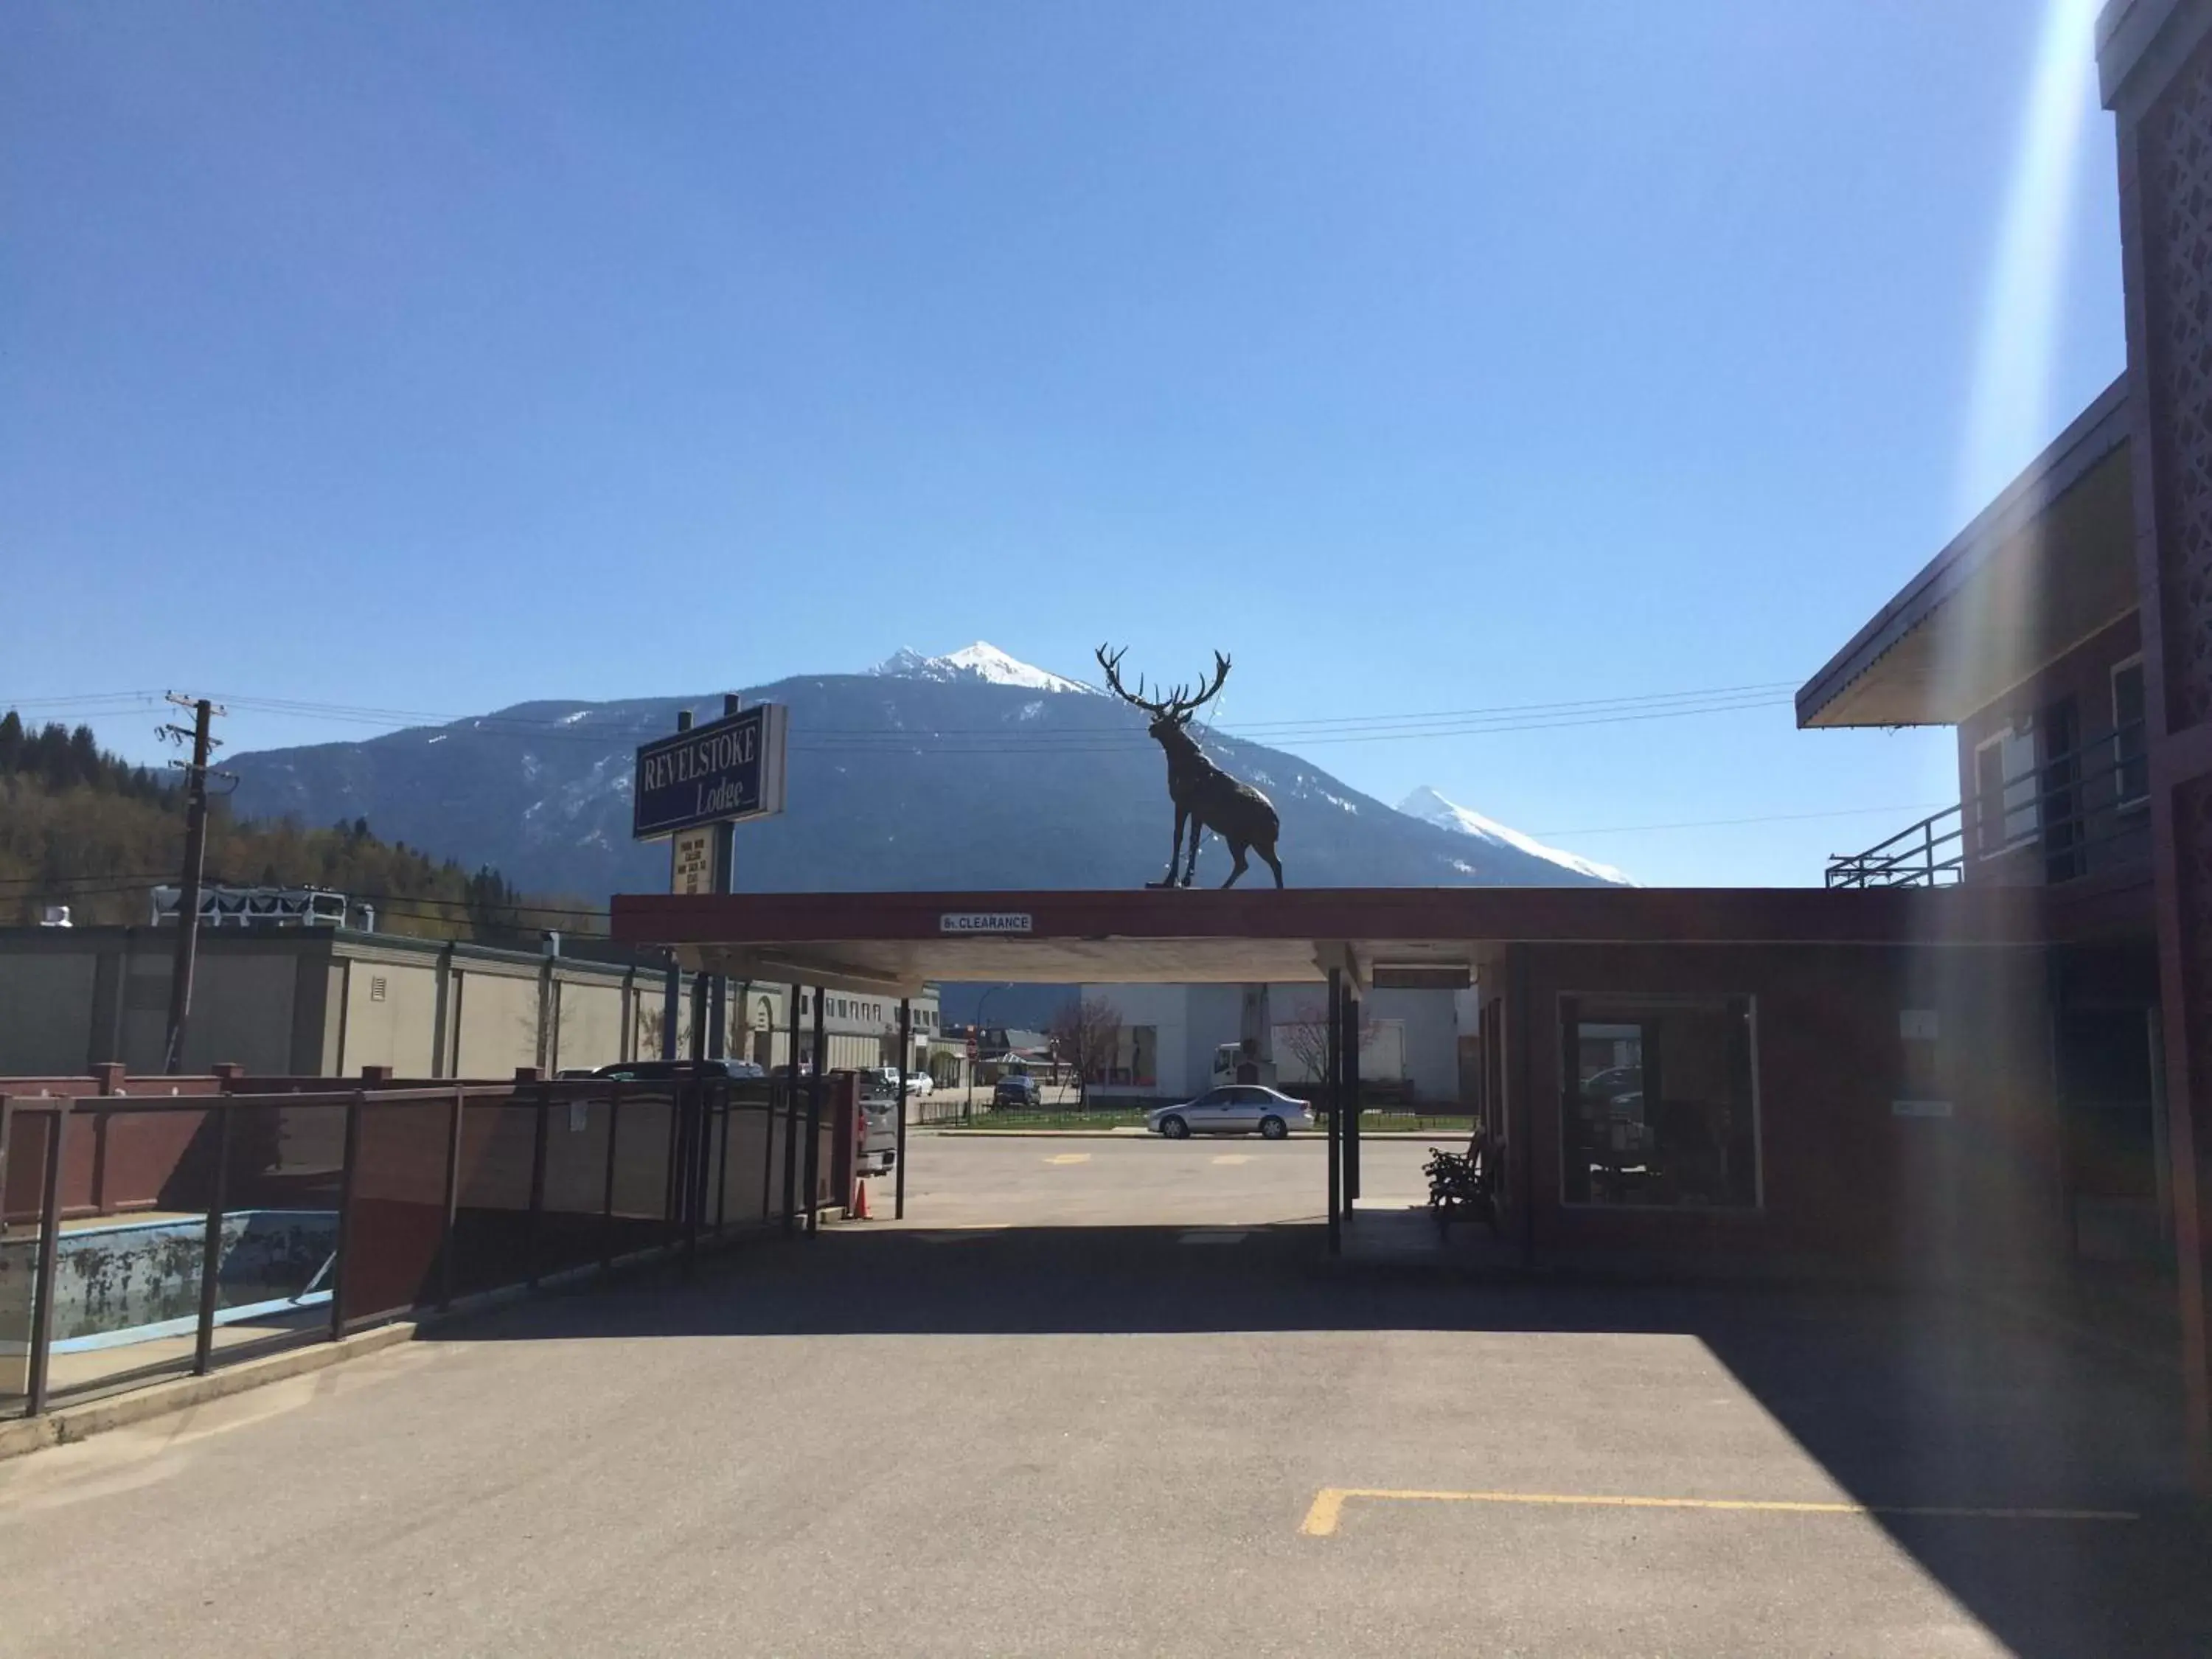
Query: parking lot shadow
{"points": [[1904, 1401]]}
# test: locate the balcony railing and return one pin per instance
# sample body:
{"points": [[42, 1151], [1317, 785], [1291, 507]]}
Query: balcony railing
{"points": [[2065, 816]]}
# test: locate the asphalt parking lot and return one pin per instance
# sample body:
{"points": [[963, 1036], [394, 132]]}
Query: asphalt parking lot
{"points": [[1181, 1432], [1117, 1179]]}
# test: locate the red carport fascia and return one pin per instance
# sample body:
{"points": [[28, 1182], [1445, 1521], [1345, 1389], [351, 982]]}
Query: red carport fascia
{"points": [[1983, 915]]}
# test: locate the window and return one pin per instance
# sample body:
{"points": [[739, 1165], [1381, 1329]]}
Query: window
{"points": [[2131, 748], [2004, 791], [1659, 1107], [2062, 771]]}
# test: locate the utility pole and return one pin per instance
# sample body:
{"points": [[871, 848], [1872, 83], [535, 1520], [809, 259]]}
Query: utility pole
{"points": [[188, 899]]}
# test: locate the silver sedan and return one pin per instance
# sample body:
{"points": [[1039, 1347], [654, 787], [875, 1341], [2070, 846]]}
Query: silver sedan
{"points": [[1234, 1108]]}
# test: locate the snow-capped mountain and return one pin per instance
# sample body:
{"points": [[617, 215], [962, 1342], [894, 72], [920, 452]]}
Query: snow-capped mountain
{"points": [[969, 770], [1430, 806], [979, 661]]}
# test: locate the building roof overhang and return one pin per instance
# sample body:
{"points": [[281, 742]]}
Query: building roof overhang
{"points": [[895, 943], [2044, 567]]}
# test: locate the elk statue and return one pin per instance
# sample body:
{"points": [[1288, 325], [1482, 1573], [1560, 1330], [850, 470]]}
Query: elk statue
{"points": [[1205, 797]]}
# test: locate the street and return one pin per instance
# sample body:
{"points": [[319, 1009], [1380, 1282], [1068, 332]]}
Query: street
{"points": [[1105, 1397]]}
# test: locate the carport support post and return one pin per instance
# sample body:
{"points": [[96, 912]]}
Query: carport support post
{"points": [[906, 1053], [671, 995], [791, 1120], [814, 1119], [1350, 1050], [671, 1003], [1333, 1095], [726, 839]]}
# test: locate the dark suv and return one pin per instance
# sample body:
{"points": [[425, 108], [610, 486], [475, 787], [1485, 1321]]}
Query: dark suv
{"points": [[677, 1071]]}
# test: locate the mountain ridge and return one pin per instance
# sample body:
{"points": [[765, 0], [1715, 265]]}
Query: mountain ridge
{"points": [[973, 771]]}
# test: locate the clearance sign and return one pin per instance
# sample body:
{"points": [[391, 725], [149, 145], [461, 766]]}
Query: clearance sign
{"points": [[718, 773]]}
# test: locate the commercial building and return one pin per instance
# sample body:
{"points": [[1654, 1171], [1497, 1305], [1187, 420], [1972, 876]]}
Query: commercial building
{"points": [[323, 1001], [1171, 1038]]}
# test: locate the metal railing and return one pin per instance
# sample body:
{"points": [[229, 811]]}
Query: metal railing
{"points": [[372, 1203], [2087, 806]]}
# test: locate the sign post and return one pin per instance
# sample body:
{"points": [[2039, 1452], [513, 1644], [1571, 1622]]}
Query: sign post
{"points": [[690, 789]]}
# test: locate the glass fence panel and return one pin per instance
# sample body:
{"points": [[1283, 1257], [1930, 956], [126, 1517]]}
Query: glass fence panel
{"points": [[644, 1172], [23, 1156], [569, 1227], [136, 1186], [741, 1196], [277, 1252], [394, 1224], [491, 1220]]}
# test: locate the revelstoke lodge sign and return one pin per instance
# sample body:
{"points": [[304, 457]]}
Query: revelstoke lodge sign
{"points": [[729, 771]]}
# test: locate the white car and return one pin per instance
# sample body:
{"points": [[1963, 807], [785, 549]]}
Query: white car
{"points": [[918, 1085], [1234, 1108]]}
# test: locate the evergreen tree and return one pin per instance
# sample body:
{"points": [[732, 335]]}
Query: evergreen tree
{"points": [[82, 827]]}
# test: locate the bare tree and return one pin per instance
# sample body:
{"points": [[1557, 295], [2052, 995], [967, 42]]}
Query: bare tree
{"points": [[1304, 1036], [1086, 1031]]}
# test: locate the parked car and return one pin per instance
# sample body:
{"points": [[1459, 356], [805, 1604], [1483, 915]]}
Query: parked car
{"points": [[1015, 1089], [1235, 1109], [919, 1085], [675, 1070]]}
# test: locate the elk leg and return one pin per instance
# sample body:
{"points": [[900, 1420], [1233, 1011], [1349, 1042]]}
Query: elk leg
{"points": [[1197, 834], [1236, 852], [1175, 853], [1273, 863]]}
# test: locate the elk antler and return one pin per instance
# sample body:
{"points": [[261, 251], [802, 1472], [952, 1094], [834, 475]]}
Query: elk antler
{"points": [[1190, 705], [1112, 665]]}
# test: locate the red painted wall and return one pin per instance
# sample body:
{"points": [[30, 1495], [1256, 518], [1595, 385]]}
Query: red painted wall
{"points": [[1843, 1178]]}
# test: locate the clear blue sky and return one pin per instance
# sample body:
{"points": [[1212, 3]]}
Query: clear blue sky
{"points": [[1425, 357]]}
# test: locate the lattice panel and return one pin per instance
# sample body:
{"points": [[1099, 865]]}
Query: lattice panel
{"points": [[2177, 203]]}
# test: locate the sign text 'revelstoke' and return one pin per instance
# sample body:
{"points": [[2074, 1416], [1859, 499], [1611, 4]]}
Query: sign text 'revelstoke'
{"points": [[729, 771]]}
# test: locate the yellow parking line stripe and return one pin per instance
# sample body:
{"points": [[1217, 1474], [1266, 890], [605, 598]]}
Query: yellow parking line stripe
{"points": [[1069, 1158], [1328, 1506]]}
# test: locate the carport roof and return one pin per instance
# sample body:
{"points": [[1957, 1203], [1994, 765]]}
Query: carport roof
{"points": [[898, 942]]}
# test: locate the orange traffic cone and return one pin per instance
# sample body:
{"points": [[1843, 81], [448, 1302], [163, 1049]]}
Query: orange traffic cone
{"points": [[859, 1210]]}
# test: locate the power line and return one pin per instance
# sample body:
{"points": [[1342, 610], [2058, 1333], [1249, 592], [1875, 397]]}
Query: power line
{"points": [[1101, 739], [1771, 817], [1120, 734]]}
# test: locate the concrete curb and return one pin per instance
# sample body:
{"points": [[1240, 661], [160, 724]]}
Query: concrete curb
{"points": [[1130, 1134], [73, 1423]]}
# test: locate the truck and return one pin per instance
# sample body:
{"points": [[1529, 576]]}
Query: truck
{"points": [[878, 1099], [1231, 1065]]}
